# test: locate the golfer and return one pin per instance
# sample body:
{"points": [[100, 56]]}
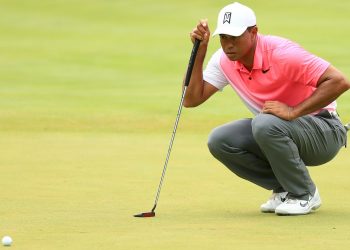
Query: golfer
{"points": [[291, 93]]}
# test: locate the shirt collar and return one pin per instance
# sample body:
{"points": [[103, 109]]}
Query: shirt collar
{"points": [[258, 56]]}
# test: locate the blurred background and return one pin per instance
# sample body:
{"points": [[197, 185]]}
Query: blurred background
{"points": [[112, 65]]}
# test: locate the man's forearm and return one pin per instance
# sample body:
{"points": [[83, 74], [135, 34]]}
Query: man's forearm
{"points": [[326, 93], [195, 88]]}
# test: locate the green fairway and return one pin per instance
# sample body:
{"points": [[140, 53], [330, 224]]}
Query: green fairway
{"points": [[89, 92]]}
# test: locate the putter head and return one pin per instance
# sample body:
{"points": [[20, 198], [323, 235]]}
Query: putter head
{"points": [[144, 215], [347, 127]]}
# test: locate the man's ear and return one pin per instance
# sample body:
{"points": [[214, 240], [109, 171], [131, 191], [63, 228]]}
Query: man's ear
{"points": [[254, 32], [254, 29]]}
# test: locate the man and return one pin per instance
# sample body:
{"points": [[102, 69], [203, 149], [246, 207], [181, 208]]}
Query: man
{"points": [[292, 94]]}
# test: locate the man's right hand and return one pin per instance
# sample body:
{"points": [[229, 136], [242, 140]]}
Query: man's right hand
{"points": [[201, 32], [198, 90]]}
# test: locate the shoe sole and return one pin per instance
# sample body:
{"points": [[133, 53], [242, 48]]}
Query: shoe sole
{"points": [[316, 206], [313, 208], [267, 211]]}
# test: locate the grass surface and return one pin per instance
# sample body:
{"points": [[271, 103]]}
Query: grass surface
{"points": [[89, 92]]}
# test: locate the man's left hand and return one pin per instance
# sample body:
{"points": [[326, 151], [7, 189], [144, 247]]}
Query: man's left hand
{"points": [[278, 109]]}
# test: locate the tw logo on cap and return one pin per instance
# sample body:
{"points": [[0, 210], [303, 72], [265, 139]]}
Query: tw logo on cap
{"points": [[227, 17]]}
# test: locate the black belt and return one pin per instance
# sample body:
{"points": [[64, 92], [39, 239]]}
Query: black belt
{"points": [[331, 115], [328, 114]]}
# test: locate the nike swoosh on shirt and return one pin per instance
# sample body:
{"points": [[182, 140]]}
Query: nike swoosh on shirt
{"points": [[264, 71]]}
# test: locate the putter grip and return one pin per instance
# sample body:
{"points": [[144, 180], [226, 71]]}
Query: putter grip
{"points": [[191, 63]]}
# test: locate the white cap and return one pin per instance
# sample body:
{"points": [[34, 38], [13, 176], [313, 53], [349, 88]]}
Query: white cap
{"points": [[234, 19]]}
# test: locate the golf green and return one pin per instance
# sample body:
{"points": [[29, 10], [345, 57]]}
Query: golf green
{"points": [[89, 92]]}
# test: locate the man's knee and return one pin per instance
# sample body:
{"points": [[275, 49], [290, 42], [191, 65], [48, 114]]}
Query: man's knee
{"points": [[230, 138], [215, 140]]}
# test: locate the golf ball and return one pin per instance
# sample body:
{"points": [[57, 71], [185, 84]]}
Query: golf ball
{"points": [[6, 241]]}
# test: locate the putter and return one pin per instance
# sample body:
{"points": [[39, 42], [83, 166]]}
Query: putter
{"points": [[187, 82], [347, 126]]}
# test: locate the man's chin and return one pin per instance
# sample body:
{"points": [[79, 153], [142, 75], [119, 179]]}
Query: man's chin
{"points": [[232, 57]]}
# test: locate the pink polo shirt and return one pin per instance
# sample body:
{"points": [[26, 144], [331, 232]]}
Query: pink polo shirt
{"points": [[282, 71]]}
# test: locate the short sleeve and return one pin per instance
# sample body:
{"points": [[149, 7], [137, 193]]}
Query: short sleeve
{"points": [[213, 73], [302, 65]]}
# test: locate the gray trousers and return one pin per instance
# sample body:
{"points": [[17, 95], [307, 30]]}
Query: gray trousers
{"points": [[273, 153]]}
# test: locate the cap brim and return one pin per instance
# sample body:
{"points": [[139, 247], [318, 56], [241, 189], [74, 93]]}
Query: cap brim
{"points": [[232, 31]]}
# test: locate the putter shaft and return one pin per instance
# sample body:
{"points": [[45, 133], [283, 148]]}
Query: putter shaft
{"points": [[186, 83], [170, 147]]}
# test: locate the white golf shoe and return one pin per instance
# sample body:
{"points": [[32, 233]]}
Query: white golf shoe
{"points": [[292, 206], [275, 200]]}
